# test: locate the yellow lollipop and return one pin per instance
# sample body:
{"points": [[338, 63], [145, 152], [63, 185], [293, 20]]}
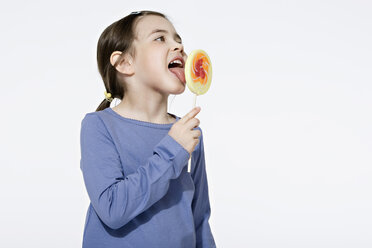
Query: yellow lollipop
{"points": [[198, 74]]}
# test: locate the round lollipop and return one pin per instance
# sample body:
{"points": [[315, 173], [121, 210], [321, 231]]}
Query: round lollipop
{"points": [[198, 74]]}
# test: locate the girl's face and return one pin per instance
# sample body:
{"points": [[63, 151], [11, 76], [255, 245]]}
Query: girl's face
{"points": [[157, 44]]}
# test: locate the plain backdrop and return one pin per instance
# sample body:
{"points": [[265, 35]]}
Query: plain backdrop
{"points": [[286, 122]]}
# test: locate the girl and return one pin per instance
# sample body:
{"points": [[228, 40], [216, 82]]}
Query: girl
{"points": [[134, 156]]}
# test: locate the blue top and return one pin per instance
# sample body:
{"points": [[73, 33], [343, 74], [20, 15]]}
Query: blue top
{"points": [[140, 192]]}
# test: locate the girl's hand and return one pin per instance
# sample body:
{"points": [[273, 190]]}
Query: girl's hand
{"points": [[182, 131]]}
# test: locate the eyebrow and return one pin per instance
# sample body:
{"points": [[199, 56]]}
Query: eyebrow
{"points": [[165, 31]]}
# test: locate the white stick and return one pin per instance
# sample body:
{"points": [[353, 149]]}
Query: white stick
{"points": [[189, 164]]}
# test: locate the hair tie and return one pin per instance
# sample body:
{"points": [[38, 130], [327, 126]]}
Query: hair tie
{"points": [[108, 96]]}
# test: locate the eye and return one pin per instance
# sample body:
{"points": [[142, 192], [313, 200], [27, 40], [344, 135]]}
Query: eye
{"points": [[162, 38]]}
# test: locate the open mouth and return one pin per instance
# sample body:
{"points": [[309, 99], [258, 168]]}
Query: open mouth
{"points": [[177, 63], [176, 66]]}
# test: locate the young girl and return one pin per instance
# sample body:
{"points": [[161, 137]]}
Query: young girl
{"points": [[134, 156]]}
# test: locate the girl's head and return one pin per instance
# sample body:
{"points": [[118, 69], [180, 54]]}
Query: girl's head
{"points": [[133, 55]]}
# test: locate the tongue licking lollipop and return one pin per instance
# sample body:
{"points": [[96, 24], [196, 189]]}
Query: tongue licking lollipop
{"points": [[198, 74]]}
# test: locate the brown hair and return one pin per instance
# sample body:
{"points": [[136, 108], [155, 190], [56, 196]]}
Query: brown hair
{"points": [[118, 36]]}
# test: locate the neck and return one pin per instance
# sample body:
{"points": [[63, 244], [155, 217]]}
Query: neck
{"points": [[145, 106]]}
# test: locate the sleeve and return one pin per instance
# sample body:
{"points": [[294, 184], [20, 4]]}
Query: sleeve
{"points": [[117, 198], [200, 204]]}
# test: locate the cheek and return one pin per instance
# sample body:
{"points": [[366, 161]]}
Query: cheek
{"points": [[155, 58], [151, 62]]}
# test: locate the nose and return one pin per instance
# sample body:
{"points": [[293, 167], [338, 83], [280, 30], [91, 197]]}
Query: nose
{"points": [[178, 46]]}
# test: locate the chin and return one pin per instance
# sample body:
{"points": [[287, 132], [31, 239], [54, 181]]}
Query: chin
{"points": [[179, 89]]}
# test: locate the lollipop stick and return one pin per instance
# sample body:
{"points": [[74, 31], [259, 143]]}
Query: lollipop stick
{"points": [[195, 95], [189, 164]]}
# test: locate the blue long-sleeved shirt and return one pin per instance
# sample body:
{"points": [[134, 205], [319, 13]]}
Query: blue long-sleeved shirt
{"points": [[140, 192]]}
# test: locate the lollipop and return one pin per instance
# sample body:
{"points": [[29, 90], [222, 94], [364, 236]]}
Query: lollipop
{"points": [[198, 74]]}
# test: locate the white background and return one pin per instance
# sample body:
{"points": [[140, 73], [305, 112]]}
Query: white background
{"points": [[287, 120]]}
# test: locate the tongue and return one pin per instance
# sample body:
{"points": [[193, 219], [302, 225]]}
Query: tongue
{"points": [[179, 72]]}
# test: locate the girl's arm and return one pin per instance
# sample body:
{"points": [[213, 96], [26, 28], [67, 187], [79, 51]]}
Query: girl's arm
{"points": [[200, 205], [116, 198]]}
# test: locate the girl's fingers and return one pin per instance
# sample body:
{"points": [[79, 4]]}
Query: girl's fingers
{"points": [[190, 114]]}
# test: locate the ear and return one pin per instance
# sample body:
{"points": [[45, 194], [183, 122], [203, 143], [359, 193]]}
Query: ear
{"points": [[125, 66]]}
